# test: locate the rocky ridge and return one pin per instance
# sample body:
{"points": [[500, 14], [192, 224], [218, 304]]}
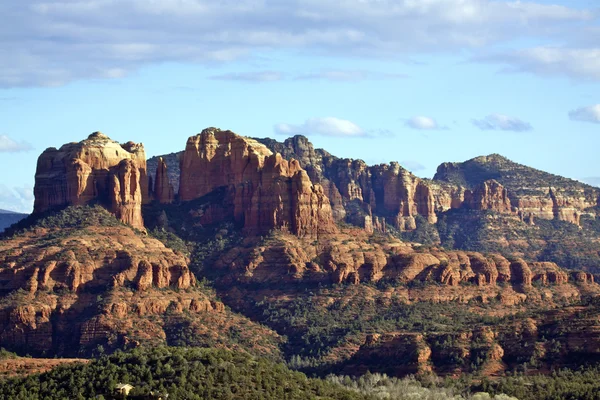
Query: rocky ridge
{"points": [[484, 183], [96, 169], [532, 193]]}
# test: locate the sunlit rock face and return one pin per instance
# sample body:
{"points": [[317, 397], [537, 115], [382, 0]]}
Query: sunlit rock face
{"points": [[96, 169]]}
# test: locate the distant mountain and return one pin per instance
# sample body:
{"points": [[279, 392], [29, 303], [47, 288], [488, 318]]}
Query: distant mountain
{"points": [[517, 178], [7, 218]]}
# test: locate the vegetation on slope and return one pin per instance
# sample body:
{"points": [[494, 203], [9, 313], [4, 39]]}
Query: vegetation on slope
{"points": [[557, 241], [517, 178], [565, 384], [183, 373]]}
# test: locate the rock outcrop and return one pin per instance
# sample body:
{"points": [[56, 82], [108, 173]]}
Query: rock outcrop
{"points": [[163, 190], [489, 195], [266, 190], [392, 192], [97, 169]]}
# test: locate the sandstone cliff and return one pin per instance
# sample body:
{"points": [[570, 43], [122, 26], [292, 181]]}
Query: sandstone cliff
{"points": [[97, 169], [392, 192], [266, 190]]}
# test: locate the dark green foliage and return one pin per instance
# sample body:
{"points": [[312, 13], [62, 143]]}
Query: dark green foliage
{"points": [[548, 240], [183, 373], [468, 230], [186, 219], [76, 217], [565, 384], [4, 354], [171, 240], [425, 233], [313, 329]]}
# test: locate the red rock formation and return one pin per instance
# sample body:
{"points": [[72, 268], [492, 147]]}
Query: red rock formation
{"points": [[520, 272], [163, 190], [490, 195], [94, 169], [268, 191], [485, 269], [548, 272], [126, 194]]}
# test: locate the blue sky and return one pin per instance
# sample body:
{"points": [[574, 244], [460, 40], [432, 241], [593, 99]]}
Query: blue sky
{"points": [[420, 82]]}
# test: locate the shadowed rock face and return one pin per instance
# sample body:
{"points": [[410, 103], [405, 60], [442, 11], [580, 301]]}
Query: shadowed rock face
{"points": [[267, 190], [96, 169], [163, 190]]}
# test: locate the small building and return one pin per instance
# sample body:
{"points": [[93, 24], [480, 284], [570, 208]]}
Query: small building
{"points": [[123, 389]]}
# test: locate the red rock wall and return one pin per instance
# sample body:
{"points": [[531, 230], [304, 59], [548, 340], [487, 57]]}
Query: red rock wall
{"points": [[268, 191], [94, 169]]}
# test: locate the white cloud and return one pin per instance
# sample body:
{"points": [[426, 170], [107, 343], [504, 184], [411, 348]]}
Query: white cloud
{"points": [[8, 145], [19, 199], [54, 42], [255, 77], [502, 122], [326, 126], [423, 123], [586, 114], [577, 63]]}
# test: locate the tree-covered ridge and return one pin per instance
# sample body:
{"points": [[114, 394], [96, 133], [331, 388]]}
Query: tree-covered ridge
{"points": [[517, 178], [182, 373], [74, 217]]}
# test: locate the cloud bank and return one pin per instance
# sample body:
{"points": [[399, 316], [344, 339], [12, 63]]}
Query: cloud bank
{"points": [[423, 123], [502, 122], [324, 126], [49, 43], [8, 145], [577, 63], [586, 114]]}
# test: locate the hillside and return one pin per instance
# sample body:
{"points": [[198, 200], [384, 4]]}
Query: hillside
{"points": [[79, 279], [185, 373], [517, 178]]}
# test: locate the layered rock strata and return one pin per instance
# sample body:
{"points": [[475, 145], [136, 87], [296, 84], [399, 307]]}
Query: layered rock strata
{"points": [[355, 259], [97, 169], [71, 289], [266, 190]]}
